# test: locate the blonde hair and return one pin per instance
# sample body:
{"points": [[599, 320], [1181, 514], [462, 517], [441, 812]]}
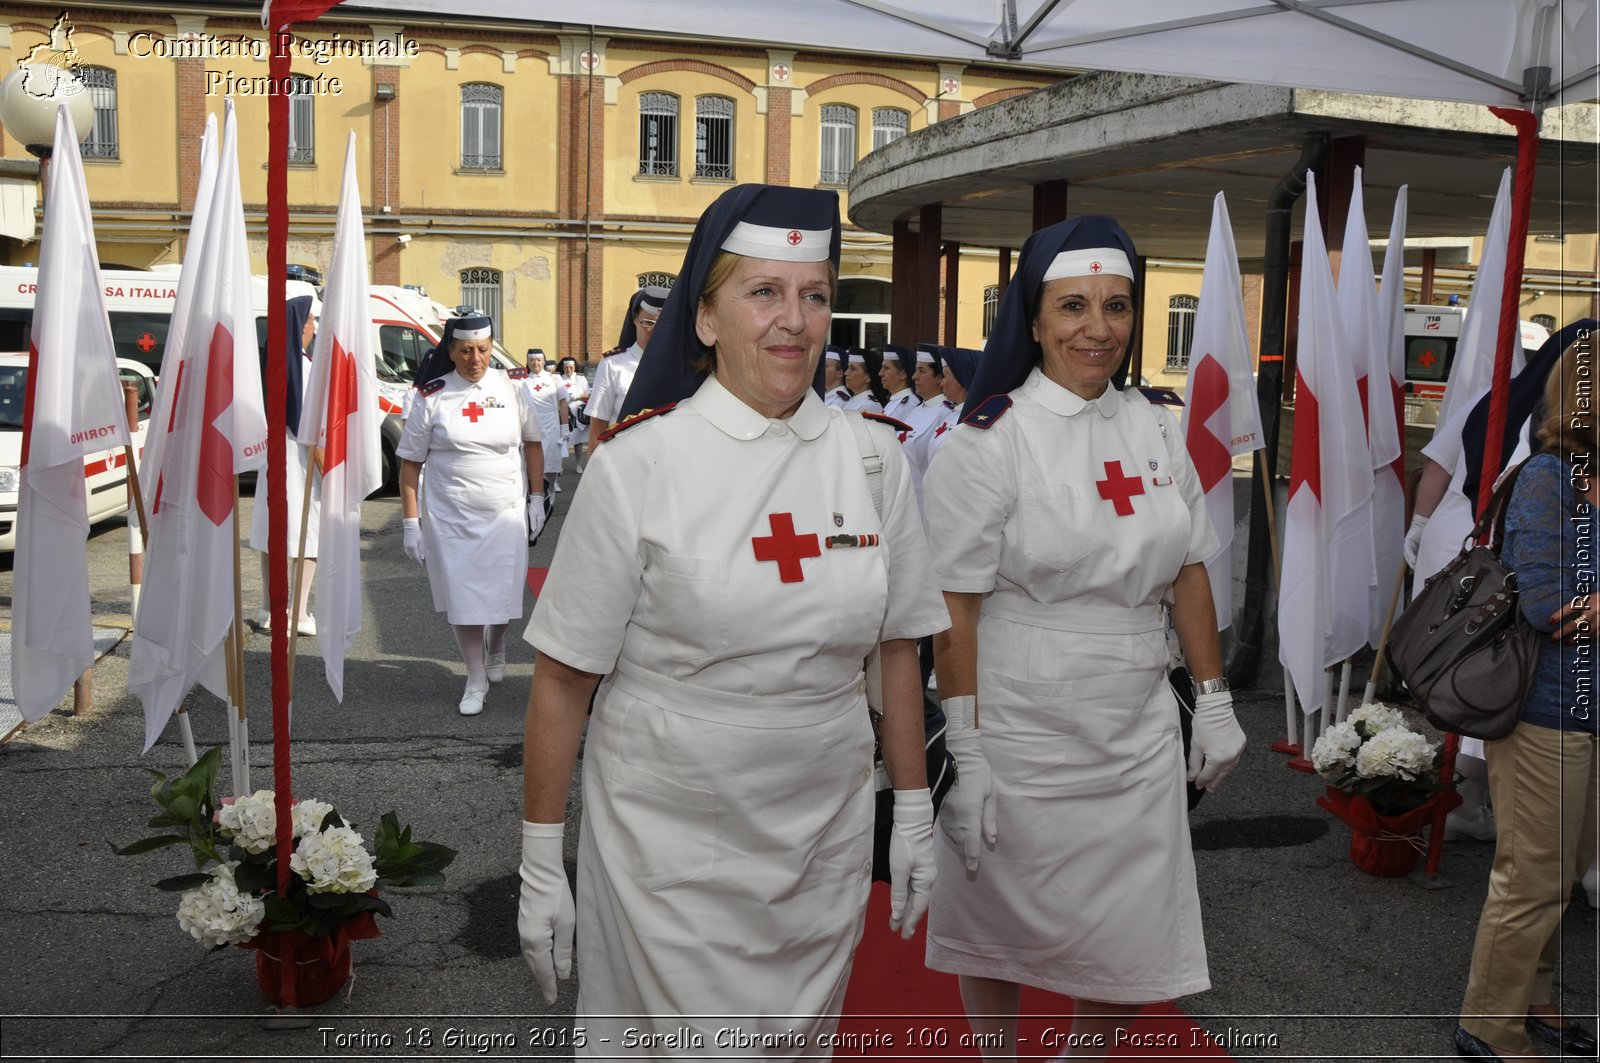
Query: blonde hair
{"points": [[721, 269], [1568, 425]]}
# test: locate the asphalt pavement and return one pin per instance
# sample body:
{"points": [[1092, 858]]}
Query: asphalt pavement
{"points": [[1311, 958]]}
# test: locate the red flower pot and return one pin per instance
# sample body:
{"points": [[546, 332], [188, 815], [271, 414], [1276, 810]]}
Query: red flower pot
{"points": [[1387, 846], [321, 964]]}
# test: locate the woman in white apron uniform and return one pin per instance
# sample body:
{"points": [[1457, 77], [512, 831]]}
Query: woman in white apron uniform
{"points": [[1068, 513], [726, 844], [480, 438], [575, 389], [861, 377], [299, 461]]}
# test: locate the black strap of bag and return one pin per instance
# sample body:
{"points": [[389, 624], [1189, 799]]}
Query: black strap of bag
{"points": [[1462, 646]]}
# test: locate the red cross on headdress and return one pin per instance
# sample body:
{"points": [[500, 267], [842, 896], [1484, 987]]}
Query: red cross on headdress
{"points": [[1095, 267], [794, 237]]}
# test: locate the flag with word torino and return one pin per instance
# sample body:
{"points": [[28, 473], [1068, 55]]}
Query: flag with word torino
{"points": [[1330, 485], [217, 430], [341, 416], [74, 408], [1363, 358], [1389, 374], [1221, 418], [188, 280]]}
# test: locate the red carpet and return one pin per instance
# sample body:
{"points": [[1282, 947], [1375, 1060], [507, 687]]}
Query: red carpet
{"points": [[895, 1008], [536, 578]]}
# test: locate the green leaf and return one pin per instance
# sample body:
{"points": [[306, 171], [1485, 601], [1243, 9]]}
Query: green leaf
{"points": [[251, 877], [179, 883], [145, 845]]}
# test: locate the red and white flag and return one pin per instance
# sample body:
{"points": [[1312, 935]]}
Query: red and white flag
{"points": [[276, 14], [217, 429], [1472, 368], [341, 415], [74, 408], [172, 354], [1328, 528], [1389, 482], [1221, 417], [1364, 358]]}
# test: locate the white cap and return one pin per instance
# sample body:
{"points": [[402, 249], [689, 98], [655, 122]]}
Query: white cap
{"points": [[787, 245], [1090, 262]]}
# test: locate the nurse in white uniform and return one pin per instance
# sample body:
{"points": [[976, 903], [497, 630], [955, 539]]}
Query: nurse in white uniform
{"points": [[575, 389], [300, 461], [861, 377], [726, 843], [549, 403], [959, 364], [617, 367], [834, 393], [895, 376], [479, 435], [1068, 513]]}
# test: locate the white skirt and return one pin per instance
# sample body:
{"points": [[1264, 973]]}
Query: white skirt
{"points": [[723, 868], [1090, 890], [297, 460], [475, 535]]}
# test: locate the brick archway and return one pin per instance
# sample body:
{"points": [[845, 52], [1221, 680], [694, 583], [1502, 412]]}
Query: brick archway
{"points": [[880, 80], [694, 66]]}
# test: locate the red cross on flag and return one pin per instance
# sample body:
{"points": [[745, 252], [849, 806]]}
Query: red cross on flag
{"points": [[74, 406], [341, 414], [1328, 526], [216, 429], [1221, 416]]}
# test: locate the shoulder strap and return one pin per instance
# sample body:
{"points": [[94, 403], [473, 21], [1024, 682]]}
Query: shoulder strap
{"points": [[871, 460], [1495, 512]]}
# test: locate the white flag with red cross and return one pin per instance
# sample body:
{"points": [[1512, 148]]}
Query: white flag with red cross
{"points": [[1389, 481], [217, 429], [1221, 417], [74, 408], [341, 415]]}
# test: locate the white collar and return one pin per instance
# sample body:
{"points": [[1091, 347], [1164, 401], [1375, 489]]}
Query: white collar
{"points": [[1057, 399], [731, 415]]}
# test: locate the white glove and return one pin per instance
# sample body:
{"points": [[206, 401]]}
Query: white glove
{"points": [[535, 516], [545, 915], [1217, 742], [968, 811], [411, 529], [1413, 540], [911, 868]]}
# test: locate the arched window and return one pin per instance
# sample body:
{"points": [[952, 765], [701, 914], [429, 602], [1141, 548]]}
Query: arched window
{"points": [[888, 125], [302, 120], [713, 137], [1180, 330], [991, 306], [658, 134], [480, 126], [1547, 320], [838, 143], [102, 85], [657, 280], [480, 289]]}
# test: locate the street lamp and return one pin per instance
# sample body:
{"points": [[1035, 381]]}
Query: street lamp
{"points": [[29, 96]]}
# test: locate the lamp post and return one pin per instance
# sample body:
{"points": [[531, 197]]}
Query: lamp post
{"points": [[29, 96]]}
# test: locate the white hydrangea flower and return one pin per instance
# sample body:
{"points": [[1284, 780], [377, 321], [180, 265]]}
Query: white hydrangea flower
{"points": [[1336, 748], [1396, 752], [1377, 717], [308, 816], [252, 821], [334, 861], [216, 913]]}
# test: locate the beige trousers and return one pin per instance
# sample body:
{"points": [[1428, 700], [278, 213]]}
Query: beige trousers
{"points": [[1543, 784]]}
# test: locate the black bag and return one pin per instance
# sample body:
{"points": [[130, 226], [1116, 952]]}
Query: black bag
{"points": [[580, 412], [941, 777], [1183, 689], [1463, 646]]}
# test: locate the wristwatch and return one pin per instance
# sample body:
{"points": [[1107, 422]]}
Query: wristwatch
{"points": [[1211, 686]]}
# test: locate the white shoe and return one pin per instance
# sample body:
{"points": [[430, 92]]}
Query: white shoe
{"points": [[472, 702], [1475, 824], [263, 622], [494, 666], [307, 626], [1591, 885], [579, 469], [558, 488]]}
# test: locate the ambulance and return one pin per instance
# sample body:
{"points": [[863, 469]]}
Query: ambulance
{"points": [[1431, 335]]}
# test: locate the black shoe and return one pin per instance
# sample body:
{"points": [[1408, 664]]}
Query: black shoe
{"points": [[1469, 1047], [1574, 1039]]}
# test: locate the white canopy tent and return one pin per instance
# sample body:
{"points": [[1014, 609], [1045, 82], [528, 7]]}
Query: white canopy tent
{"points": [[1469, 51]]}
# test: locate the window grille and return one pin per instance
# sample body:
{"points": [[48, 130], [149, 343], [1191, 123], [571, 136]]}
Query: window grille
{"points": [[888, 125], [302, 120], [480, 127], [102, 85], [991, 306], [713, 137], [657, 280], [838, 143], [658, 134], [1180, 330], [480, 289]]}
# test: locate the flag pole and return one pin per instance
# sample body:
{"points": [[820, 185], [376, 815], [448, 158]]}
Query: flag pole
{"points": [[1383, 640], [299, 575], [1345, 674], [236, 655], [1290, 743]]}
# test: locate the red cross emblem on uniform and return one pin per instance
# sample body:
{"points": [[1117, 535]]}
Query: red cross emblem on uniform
{"points": [[786, 548], [1095, 267], [944, 426], [794, 237], [901, 436], [473, 411], [1119, 489]]}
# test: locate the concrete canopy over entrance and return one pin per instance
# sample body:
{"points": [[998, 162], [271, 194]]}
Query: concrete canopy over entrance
{"points": [[1153, 151]]}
